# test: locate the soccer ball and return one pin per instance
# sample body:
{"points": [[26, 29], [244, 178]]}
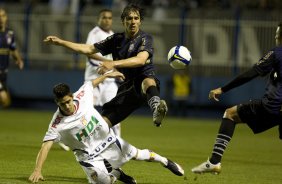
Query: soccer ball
{"points": [[179, 57]]}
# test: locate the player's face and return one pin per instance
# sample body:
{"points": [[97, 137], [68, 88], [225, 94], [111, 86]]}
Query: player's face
{"points": [[66, 105], [278, 36], [105, 21], [3, 18], [132, 23]]}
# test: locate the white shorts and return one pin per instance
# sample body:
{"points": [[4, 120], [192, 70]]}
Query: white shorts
{"points": [[116, 155]]}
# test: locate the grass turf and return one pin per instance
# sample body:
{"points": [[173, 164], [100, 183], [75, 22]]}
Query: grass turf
{"points": [[249, 159]]}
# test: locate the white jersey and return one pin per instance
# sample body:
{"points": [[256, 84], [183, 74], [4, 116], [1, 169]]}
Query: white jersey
{"points": [[108, 89], [85, 132], [94, 36]]}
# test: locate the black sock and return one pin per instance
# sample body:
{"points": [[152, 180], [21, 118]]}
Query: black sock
{"points": [[153, 97], [224, 135]]}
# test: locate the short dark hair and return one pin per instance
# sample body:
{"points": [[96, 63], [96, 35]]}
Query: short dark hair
{"points": [[134, 8], [60, 90], [104, 10]]}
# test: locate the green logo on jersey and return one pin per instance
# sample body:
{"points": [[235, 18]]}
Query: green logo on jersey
{"points": [[88, 129]]}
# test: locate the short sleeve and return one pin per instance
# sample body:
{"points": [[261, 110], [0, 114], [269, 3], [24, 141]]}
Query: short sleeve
{"points": [[105, 46], [147, 45]]}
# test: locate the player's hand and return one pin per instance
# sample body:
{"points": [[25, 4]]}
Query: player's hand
{"points": [[35, 177], [105, 66], [215, 93], [115, 74], [53, 40], [20, 64]]}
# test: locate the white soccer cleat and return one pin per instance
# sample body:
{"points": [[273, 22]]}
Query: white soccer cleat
{"points": [[62, 145], [159, 113], [207, 167]]}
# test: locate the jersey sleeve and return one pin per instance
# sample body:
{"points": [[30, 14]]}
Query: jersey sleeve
{"points": [[105, 46], [93, 37], [265, 64], [147, 45], [12, 45], [52, 133]]}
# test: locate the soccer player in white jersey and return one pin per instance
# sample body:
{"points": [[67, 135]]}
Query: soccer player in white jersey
{"points": [[108, 89], [97, 149]]}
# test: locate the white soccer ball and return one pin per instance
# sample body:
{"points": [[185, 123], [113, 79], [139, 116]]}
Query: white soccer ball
{"points": [[179, 57]]}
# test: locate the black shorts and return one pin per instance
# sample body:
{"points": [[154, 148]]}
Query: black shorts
{"points": [[129, 98], [3, 81], [257, 117]]}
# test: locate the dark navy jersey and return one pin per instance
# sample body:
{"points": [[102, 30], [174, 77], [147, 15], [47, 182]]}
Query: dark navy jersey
{"points": [[122, 48], [7, 43], [272, 63]]}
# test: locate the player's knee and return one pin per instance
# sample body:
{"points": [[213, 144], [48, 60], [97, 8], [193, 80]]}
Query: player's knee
{"points": [[230, 113], [5, 101], [146, 83]]}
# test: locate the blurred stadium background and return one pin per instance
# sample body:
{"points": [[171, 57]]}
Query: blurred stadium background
{"points": [[224, 36]]}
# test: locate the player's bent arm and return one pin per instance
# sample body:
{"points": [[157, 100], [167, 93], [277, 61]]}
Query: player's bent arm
{"points": [[98, 57], [81, 48], [110, 74], [41, 157], [16, 56], [132, 62]]}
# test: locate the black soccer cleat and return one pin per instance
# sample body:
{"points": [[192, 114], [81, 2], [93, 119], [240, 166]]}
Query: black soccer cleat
{"points": [[125, 178], [174, 168]]}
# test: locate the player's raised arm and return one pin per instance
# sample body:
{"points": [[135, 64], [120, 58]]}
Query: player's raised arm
{"points": [[36, 175], [131, 62], [110, 74], [77, 47]]}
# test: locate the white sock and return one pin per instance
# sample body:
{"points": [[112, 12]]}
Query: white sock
{"points": [[147, 155]]}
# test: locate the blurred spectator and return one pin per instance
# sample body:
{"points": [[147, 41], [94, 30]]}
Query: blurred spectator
{"points": [[181, 90], [59, 7], [160, 11]]}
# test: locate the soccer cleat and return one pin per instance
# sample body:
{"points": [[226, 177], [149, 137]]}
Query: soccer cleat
{"points": [[125, 178], [159, 113], [174, 168], [207, 167], [63, 146]]}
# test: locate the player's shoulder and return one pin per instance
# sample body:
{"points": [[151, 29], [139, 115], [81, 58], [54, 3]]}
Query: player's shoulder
{"points": [[57, 119], [86, 87], [9, 31], [277, 51], [144, 34]]}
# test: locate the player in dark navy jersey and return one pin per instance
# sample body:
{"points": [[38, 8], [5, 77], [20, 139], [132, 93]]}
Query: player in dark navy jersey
{"points": [[260, 115], [132, 53], [7, 47]]}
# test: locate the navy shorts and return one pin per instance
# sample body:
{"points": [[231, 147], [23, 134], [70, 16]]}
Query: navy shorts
{"points": [[257, 117], [129, 98]]}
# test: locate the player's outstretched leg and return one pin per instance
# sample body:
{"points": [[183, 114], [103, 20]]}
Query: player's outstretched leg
{"points": [[159, 113], [150, 156], [125, 178], [207, 167], [158, 106]]}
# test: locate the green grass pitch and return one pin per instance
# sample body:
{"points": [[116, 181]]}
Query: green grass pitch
{"points": [[249, 159]]}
